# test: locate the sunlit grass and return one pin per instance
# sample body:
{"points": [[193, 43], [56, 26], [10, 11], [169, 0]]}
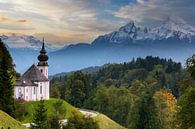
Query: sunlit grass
{"points": [[7, 121]]}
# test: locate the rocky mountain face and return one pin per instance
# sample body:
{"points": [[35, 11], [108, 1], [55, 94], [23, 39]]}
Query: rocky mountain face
{"points": [[131, 33]]}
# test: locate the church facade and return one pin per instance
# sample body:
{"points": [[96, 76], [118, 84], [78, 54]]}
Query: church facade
{"points": [[33, 85]]}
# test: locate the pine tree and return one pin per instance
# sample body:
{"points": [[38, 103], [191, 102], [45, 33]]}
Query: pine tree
{"points": [[54, 122], [147, 114], [55, 90], [7, 74], [40, 117]]}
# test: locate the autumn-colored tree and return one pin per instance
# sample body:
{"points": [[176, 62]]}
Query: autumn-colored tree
{"points": [[166, 107]]}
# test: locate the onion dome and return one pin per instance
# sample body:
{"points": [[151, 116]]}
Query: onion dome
{"points": [[43, 58]]}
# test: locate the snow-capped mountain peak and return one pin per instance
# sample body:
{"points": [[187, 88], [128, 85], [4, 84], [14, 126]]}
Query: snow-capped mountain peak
{"points": [[24, 41], [128, 27], [174, 28], [171, 28]]}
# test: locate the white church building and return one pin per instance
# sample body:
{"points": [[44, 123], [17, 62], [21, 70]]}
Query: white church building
{"points": [[33, 85]]}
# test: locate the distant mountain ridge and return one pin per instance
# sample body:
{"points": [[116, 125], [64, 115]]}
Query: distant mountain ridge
{"points": [[172, 39], [89, 70], [17, 41]]}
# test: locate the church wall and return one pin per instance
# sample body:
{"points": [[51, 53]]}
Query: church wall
{"points": [[44, 70], [19, 92], [26, 93], [33, 93], [47, 90], [43, 90]]}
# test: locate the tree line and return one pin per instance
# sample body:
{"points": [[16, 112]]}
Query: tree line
{"points": [[149, 93]]}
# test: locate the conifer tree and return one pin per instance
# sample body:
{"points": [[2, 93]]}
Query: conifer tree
{"points": [[148, 115], [7, 74], [186, 111], [40, 117], [185, 115]]}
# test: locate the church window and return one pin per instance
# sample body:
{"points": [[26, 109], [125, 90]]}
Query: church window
{"points": [[41, 71], [40, 89], [34, 90], [19, 90]]}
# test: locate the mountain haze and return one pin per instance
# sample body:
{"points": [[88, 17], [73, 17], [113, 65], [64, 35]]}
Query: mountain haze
{"points": [[172, 39]]}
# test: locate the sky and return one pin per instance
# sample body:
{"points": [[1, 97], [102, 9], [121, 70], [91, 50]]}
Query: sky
{"points": [[74, 21]]}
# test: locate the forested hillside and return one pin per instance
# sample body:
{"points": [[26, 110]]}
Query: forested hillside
{"points": [[142, 94]]}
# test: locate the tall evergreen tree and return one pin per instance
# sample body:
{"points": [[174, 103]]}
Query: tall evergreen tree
{"points": [[147, 114], [77, 89], [55, 90], [7, 74], [186, 111], [191, 65], [40, 117]]}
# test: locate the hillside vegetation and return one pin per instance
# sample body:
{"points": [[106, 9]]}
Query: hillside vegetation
{"points": [[66, 112], [106, 123], [66, 109], [7, 121]]}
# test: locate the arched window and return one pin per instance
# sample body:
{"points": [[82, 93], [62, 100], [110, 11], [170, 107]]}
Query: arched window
{"points": [[34, 90], [19, 90], [40, 89], [41, 71]]}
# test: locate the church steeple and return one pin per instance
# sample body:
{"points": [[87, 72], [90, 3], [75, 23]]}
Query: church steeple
{"points": [[43, 48], [43, 58]]}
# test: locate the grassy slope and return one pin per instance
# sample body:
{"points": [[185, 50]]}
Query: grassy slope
{"points": [[49, 105], [7, 121], [107, 123], [104, 121]]}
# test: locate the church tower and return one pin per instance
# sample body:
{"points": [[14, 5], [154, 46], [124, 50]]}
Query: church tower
{"points": [[43, 58]]}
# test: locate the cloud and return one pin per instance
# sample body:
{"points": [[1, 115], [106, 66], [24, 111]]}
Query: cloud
{"points": [[11, 24], [21, 21], [86, 18], [3, 19], [63, 15], [141, 1], [62, 40], [157, 10]]}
